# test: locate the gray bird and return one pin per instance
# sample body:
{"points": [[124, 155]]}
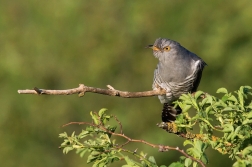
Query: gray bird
{"points": [[178, 71]]}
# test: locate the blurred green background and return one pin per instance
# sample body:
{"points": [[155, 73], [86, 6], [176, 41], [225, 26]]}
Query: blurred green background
{"points": [[58, 44]]}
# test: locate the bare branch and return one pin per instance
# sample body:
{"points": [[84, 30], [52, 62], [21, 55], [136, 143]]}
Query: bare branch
{"points": [[82, 89]]}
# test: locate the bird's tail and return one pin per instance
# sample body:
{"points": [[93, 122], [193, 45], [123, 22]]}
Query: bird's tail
{"points": [[169, 112]]}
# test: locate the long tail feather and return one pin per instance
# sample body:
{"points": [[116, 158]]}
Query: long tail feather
{"points": [[169, 113]]}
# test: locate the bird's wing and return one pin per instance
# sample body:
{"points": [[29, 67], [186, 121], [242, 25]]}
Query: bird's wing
{"points": [[199, 69]]}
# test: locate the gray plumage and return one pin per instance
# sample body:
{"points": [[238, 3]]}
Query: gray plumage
{"points": [[178, 71]]}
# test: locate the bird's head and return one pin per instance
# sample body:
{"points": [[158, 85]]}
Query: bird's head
{"points": [[163, 47]]}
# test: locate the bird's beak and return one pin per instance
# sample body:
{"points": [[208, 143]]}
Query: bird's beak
{"points": [[149, 46], [152, 47]]}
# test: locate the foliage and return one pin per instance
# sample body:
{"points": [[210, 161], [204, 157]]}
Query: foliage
{"points": [[230, 116], [97, 141]]}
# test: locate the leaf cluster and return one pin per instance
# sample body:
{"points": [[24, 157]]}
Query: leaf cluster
{"points": [[222, 123], [102, 150]]}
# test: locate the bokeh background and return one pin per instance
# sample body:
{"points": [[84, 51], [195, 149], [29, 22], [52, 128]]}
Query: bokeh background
{"points": [[58, 44]]}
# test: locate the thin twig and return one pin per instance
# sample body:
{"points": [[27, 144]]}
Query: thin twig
{"points": [[120, 124], [127, 142], [82, 89]]}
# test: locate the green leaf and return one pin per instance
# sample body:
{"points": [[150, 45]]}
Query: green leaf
{"points": [[129, 161], [186, 107], [176, 164], [246, 90], [188, 162], [246, 151], [66, 141], [224, 98], [195, 164], [152, 159], [239, 164], [67, 149], [228, 128], [209, 99], [204, 101], [186, 99], [208, 109], [222, 90], [102, 111], [82, 151], [233, 98], [198, 144], [91, 158], [113, 159], [83, 134], [63, 135], [95, 118], [228, 109], [194, 103], [249, 115], [204, 158], [241, 98], [194, 152], [249, 106], [247, 121], [182, 158], [100, 162], [219, 104], [186, 142], [237, 130], [198, 94]]}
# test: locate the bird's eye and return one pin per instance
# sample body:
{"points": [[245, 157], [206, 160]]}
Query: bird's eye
{"points": [[167, 48]]}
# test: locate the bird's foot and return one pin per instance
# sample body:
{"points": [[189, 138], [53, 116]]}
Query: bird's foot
{"points": [[170, 127]]}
